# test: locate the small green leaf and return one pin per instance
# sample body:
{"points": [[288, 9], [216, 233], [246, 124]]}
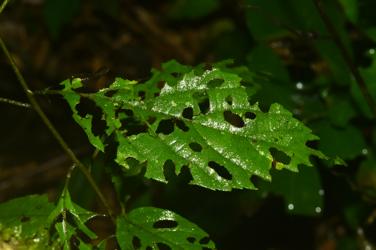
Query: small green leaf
{"points": [[149, 228], [65, 207], [85, 122]]}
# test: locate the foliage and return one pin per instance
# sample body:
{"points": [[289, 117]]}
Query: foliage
{"points": [[276, 126]]}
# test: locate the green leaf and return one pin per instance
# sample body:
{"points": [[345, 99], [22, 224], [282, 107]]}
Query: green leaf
{"points": [[351, 9], [203, 120], [271, 19], [302, 192], [346, 143], [152, 228], [341, 111], [66, 228], [85, 122], [369, 75], [25, 217]]}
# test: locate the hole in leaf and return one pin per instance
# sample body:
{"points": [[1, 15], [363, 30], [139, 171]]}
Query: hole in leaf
{"points": [[188, 113], [162, 246], [148, 248], [151, 120], [215, 83], [228, 99], [25, 219], [88, 107], [255, 180], [165, 224], [176, 74], [312, 144], [132, 126], [195, 146], [132, 162], [203, 101], [204, 240], [246, 83], [208, 66], [204, 106], [141, 94], [128, 112], [181, 125], [280, 156], [169, 170], [110, 93], [74, 242], [136, 242], [165, 127], [250, 115], [185, 175], [191, 239], [220, 170], [234, 119], [156, 94]]}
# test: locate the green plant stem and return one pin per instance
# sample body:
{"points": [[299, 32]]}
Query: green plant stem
{"points": [[53, 130], [346, 56], [3, 5], [15, 103]]}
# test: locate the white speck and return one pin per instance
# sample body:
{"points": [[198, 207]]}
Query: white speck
{"points": [[290, 206], [321, 192], [318, 210], [299, 85], [360, 231], [371, 51], [364, 151]]}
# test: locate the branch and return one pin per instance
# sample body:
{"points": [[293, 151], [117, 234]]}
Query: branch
{"points": [[15, 103], [346, 56], [3, 5], [56, 134]]}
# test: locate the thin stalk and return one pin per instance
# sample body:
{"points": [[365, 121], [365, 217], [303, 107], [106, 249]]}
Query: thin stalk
{"points": [[15, 103], [346, 56], [55, 133], [3, 5]]}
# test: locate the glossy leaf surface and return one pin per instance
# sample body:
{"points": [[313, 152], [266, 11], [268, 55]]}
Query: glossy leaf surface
{"points": [[201, 119], [152, 228]]}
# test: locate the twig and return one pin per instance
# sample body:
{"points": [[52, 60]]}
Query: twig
{"points": [[3, 5], [346, 56], [56, 134], [15, 103]]}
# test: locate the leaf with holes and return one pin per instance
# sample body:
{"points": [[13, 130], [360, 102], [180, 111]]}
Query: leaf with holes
{"points": [[155, 228], [202, 120], [25, 216]]}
